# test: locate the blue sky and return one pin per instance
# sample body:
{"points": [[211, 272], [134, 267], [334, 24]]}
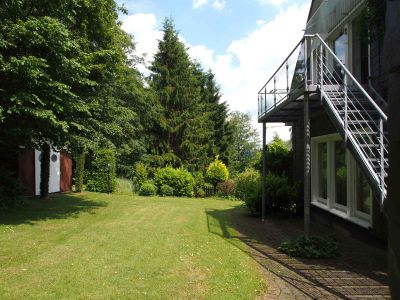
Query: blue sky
{"points": [[242, 41], [207, 25]]}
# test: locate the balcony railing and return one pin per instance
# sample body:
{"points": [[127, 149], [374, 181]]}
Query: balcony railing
{"points": [[287, 78]]}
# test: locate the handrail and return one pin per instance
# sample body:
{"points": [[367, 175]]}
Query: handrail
{"points": [[383, 115], [284, 61]]}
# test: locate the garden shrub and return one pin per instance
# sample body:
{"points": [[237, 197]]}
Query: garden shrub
{"points": [[180, 180], [198, 182], [166, 190], [279, 158], [124, 186], [200, 193], [148, 189], [226, 188], [140, 174], [217, 172], [102, 176], [248, 189], [11, 190], [281, 195], [311, 247]]}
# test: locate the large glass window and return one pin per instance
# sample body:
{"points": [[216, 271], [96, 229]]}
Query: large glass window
{"points": [[339, 48], [363, 193], [323, 170], [338, 184], [340, 173]]}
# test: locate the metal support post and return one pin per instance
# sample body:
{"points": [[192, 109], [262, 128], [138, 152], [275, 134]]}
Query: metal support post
{"points": [[264, 172], [346, 107], [307, 165], [287, 79]]}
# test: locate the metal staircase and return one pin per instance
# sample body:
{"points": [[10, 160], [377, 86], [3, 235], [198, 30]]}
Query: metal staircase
{"points": [[359, 119], [362, 123]]}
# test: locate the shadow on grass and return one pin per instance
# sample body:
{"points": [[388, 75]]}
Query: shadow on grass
{"points": [[360, 271], [56, 207]]}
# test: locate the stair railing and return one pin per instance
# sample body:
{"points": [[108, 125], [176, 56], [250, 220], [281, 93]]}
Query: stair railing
{"points": [[362, 119]]}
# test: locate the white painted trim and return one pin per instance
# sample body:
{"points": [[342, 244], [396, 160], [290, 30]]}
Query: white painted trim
{"points": [[348, 212]]}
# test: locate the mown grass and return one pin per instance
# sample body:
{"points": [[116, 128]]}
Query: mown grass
{"points": [[97, 246]]}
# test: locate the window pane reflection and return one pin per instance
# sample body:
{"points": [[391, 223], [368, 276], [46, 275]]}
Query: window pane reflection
{"points": [[322, 170], [363, 193], [340, 173]]}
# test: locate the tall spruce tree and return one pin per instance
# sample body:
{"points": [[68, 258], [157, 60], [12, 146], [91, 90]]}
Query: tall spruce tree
{"points": [[181, 130]]}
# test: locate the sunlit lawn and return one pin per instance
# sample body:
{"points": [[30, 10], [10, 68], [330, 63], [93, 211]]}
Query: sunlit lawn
{"points": [[97, 246]]}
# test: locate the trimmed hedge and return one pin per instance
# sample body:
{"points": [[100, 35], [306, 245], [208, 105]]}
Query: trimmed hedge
{"points": [[180, 180], [102, 175]]}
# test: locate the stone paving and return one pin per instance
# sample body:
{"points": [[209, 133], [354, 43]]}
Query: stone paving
{"points": [[359, 273]]}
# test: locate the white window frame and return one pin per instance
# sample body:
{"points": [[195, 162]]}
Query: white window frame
{"points": [[348, 212]]}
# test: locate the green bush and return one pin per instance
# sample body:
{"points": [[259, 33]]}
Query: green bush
{"points": [[124, 186], [11, 190], [198, 182], [248, 189], [140, 174], [226, 188], [281, 195], [102, 177], [166, 190], [147, 189], [200, 193], [311, 247], [217, 172], [180, 180], [279, 158]]}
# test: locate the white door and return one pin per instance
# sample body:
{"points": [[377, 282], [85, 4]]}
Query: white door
{"points": [[54, 180]]}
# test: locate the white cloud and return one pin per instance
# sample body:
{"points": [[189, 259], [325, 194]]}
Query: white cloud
{"points": [[143, 27], [199, 3], [258, 55], [272, 2], [219, 4], [246, 64], [260, 22]]}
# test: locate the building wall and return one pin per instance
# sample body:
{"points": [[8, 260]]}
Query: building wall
{"points": [[66, 171], [322, 125], [26, 170]]}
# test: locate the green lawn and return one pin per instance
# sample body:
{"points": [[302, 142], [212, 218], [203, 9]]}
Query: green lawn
{"points": [[118, 246]]}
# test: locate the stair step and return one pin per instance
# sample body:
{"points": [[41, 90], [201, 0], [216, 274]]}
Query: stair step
{"points": [[366, 132], [360, 122], [370, 145]]}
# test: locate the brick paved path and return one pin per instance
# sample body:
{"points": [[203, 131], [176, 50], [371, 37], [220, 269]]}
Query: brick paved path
{"points": [[359, 273]]}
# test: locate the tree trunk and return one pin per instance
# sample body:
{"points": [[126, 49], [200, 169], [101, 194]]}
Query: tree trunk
{"points": [[392, 204], [45, 171]]}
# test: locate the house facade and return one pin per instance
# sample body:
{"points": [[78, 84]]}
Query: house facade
{"points": [[331, 89]]}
